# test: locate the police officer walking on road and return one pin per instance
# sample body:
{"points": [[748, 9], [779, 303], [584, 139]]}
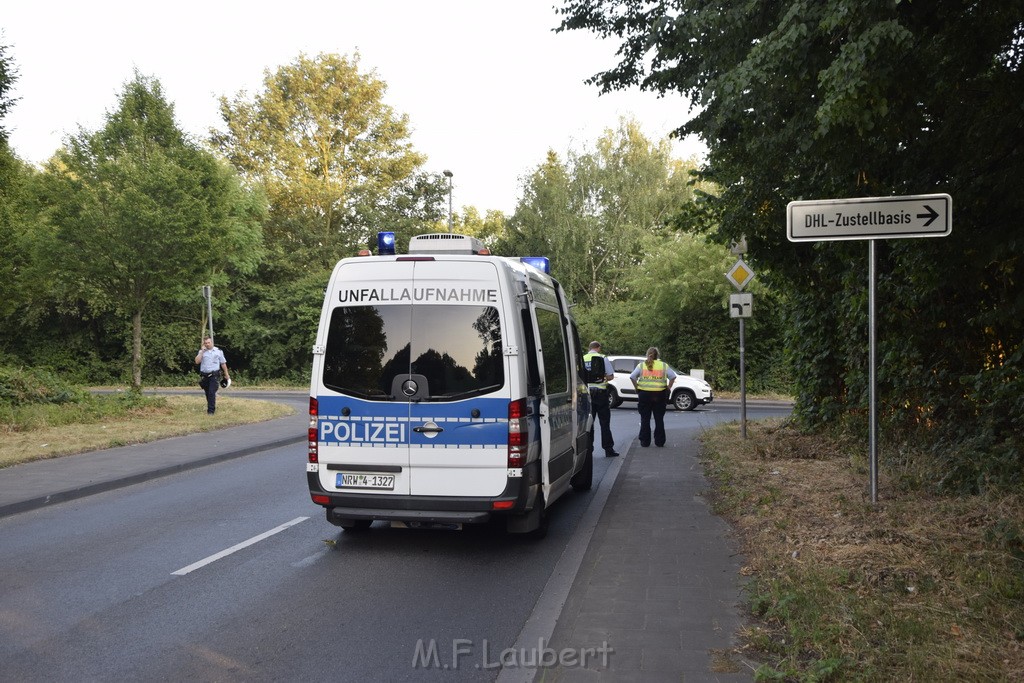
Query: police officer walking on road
{"points": [[653, 380], [599, 371], [212, 363]]}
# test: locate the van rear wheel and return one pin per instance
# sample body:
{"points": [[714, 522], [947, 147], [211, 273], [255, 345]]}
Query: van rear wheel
{"points": [[584, 479], [533, 524], [542, 524]]}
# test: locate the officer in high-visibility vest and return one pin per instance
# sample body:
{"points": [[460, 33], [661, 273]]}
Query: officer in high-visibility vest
{"points": [[599, 371], [653, 381]]}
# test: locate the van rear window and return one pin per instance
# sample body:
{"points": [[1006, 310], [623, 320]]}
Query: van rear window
{"points": [[457, 349]]}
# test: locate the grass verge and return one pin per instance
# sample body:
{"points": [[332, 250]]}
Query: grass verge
{"points": [[40, 431], [916, 587]]}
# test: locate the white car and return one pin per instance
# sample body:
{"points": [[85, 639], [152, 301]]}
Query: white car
{"points": [[687, 392]]}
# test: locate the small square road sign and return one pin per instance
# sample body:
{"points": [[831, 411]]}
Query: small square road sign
{"points": [[741, 305], [740, 274]]}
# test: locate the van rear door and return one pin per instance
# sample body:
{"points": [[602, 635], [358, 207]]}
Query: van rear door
{"points": [[363, 432], [457, 377]]}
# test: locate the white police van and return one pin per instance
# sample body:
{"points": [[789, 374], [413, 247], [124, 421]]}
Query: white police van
{"points": [[446, 389]]}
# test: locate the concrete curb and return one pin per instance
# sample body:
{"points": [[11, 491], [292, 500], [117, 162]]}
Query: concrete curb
{"points": [[138, 478]]}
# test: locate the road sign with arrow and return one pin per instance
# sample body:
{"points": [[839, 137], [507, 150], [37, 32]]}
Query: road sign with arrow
{"points": [[925, 215], [741, 305]]}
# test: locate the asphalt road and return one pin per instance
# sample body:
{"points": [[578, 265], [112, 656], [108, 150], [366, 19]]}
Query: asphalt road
{"points": [[228, 573]]}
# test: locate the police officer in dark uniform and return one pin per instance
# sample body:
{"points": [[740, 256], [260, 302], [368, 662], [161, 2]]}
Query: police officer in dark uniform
{"points": [[599, 371]]}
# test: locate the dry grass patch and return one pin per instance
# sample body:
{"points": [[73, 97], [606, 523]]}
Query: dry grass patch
{"points": [[917, 587], [35, 437]]}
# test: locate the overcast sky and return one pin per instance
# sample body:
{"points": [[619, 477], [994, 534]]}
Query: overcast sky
{"points": [[487, 85]]}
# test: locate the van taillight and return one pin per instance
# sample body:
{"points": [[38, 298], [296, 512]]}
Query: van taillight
{"points": [[518, 433], [314, 451]]}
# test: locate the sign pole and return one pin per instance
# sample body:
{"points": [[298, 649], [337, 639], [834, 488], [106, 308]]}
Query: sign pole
{"points": [[872, 373], [871, 219], [743, 384], [741, 306], [207, 292]]}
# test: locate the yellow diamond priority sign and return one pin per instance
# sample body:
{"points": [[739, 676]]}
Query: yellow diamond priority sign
{"points": [[740, 274]]}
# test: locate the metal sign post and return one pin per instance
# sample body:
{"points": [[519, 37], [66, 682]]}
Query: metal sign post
{"points": [[741, 306], [872, 375], [208, 295], [871, 219]]}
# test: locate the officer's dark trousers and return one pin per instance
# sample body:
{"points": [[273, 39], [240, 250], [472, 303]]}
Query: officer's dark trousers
{"points": [[600, 408], [652, 404], [210, 385]]}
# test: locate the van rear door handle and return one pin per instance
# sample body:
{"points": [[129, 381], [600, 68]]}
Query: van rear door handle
{"points": [[428, 430]]}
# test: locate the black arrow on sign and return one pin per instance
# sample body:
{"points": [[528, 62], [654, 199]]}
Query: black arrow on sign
{"points": [[931, 215]]}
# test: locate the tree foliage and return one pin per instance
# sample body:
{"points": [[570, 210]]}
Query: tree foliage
{"points": [[625, 237], [337, 166], [589, 213], [140, 217], [806, 99], [8, 77], [322, 143], [9, 192]]}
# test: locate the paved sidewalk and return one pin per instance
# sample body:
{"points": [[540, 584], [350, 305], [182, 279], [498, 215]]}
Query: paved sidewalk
{"points": [[660, 582]]}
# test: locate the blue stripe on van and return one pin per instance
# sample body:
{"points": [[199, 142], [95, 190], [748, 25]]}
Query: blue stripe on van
{"points": [[377, 423]]}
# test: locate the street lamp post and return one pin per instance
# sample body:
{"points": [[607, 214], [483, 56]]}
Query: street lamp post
{"points": [[448, 175]]}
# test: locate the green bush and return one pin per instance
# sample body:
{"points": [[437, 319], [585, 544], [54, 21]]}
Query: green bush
{"points": [[28, 386]]}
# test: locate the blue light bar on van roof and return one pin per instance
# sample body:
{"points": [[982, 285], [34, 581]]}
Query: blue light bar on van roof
{"points": [[386, 243], [541, 263]]}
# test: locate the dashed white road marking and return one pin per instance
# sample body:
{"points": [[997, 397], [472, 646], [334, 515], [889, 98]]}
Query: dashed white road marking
{"points": [[235, 548]]}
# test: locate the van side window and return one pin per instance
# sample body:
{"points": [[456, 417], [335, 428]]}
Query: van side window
{"points": [[575, 341], [532, 366], [556, 372]]}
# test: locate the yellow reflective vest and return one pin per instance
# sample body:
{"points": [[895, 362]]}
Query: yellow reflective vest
{"points": [[653, 379]]}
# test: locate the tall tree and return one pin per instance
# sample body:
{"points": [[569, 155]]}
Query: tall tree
{"points": [[337, 166], [8, 77], [322, 143], [9, 190], [589, 213], [805, 99], [140, 216]]}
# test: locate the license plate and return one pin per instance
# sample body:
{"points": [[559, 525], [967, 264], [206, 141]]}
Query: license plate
{"points": [[365, 481]]}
